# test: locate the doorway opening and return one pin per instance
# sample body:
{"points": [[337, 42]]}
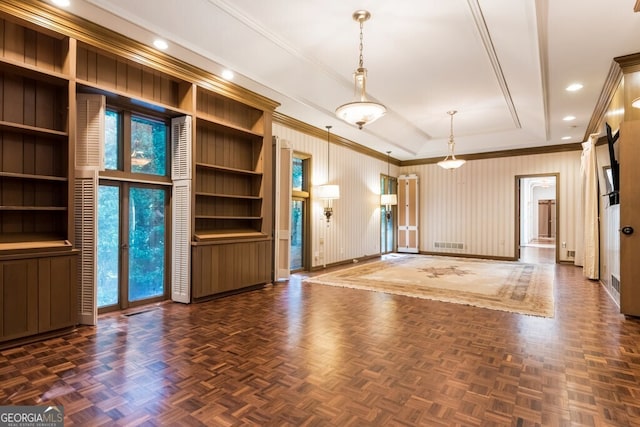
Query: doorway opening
{"points": [[537, 210]]}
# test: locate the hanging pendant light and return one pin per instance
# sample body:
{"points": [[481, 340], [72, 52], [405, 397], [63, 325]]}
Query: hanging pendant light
{"points": [[361, 111], [388, 200], [328, 192], [450, 162]]}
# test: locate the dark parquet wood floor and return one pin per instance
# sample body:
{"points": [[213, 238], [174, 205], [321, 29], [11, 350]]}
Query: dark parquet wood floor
{"points": [[310, 355]]}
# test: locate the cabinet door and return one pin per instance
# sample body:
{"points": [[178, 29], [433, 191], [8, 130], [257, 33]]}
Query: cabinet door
{"points": [[57, 294], [18, 298], [629, 208], [408, 213]]}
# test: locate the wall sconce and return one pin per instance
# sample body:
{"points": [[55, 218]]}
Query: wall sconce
{"points": [[388, 200], [328, 192]]}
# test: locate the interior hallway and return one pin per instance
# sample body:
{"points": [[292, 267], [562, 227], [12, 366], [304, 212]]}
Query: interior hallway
{"points": [[295, 354]]}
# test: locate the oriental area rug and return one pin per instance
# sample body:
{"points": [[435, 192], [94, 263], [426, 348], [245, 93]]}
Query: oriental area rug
{"points": [[498, 285]]}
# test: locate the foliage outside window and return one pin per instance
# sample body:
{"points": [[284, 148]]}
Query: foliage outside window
{"points": [[145, 139], [112, 140], [148, 146], [298, 175]]}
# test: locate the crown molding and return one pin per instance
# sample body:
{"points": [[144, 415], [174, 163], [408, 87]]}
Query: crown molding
{"points": [[604, 100], [548, 149], [305, 128]]}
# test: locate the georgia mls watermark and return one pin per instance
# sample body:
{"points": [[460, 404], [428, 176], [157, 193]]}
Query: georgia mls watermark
{"points": [[31, 416]]}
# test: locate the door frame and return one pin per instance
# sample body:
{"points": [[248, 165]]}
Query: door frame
{"points": [[518, 201], [305, 195], [123, 252]]}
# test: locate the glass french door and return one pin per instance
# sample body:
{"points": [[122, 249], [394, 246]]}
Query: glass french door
{"points": [[297, 233], [299, 244], [388, 185], [132, 252]]}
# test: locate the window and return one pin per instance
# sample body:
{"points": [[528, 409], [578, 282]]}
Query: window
{"points": [[298, 183], [145, 138], [112, 140], [148, 146]]}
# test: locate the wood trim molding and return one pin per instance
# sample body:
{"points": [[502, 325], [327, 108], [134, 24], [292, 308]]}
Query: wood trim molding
{"points": [[61, 22], [504, 153], [629, 63], [308, 129], [606, 95], [336, 139]]}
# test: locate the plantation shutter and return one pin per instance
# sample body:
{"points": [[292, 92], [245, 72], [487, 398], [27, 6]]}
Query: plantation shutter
{"points": [[181, 148], [85, 195], [90, 131], [181, 209], [282, 259], [181, 244]]}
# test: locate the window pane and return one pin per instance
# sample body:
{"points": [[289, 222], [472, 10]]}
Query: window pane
{"points": [[148, 146], [297, 175], [108, 244], [146, 243], [111, 138], [297, 234]]}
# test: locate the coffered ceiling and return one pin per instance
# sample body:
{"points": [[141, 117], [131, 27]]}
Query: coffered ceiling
{"points": [[502, 64]]}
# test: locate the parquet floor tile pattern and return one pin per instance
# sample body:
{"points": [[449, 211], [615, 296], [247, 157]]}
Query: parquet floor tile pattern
{"points": [[310, 355]]}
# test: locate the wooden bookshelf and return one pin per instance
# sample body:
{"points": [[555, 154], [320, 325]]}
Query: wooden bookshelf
{"points": [[38, 275], [232, 195]]}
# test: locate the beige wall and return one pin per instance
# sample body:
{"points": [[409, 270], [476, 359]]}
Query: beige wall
{"points": [[355, 227], [475, 205]]}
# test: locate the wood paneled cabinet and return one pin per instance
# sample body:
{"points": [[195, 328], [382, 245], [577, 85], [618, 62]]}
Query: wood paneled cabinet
{"points": [[408, 213], [37, 295]]}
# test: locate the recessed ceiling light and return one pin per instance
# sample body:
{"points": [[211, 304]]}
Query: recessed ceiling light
{"points": [[61, 3], [635, 103], [566, 138], [574, 87], [569, 118], [227, 74], [160, 44]]}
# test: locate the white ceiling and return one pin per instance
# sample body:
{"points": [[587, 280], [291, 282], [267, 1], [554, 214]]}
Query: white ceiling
{"points": [[502, 64]]}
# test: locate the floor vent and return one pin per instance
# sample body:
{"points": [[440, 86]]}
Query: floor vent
{"points": [[448, 245], [135, 313], [615, 283]]}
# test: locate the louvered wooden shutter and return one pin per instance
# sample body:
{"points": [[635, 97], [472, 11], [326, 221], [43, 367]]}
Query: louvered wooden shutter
{"points": [[181, 148], [85, 197], [181, 245], [181, 209], [90, 131], [282, 256]]}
